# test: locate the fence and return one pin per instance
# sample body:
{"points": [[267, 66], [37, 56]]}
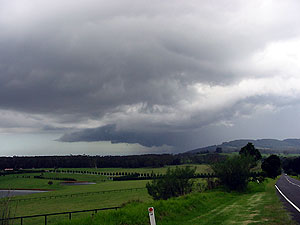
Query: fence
{"points": [[76, 194], [21, 218]]}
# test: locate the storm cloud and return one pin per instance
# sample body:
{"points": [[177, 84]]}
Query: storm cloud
{"points": [[110, 133], [152, 73]]}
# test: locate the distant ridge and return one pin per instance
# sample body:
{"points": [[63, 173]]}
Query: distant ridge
{"points": [[264, 145]]}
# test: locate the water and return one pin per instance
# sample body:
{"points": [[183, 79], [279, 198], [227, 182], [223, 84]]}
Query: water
{"points": [[76, 183], [10, 193]]}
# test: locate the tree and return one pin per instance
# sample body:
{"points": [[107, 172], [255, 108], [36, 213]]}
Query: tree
{"points": [[272, 166], [291, 165], [250, 150], [174, 183], [219, 150], [234, 172]]}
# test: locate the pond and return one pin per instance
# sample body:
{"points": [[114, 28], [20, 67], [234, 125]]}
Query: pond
{"points": [[76, 183], [10, 193]]}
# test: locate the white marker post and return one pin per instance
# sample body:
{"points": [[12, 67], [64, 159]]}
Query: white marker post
{"points": [[151, 216]]}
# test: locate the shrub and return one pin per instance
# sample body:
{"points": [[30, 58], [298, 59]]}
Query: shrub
{"points": [[234, 172], [175, 183]]}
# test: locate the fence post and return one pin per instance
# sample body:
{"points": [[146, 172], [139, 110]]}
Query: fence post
{"points": [[70, 216], [21, 221], [151, 216], [45, 220]]}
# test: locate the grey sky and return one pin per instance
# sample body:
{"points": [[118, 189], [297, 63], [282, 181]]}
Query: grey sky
{"points": [[173, 74]]}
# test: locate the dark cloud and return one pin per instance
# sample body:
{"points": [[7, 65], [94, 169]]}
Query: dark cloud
{"points": [[110, 133], [159, 71]]}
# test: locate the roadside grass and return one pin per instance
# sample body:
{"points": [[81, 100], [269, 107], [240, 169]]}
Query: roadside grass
{"points": [[258, 205]]}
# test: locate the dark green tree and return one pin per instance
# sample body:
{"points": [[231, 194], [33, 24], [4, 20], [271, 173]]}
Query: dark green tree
{"points": [[174, 183], [234, 172], [272, 166], [219, 150], [250, 150]]}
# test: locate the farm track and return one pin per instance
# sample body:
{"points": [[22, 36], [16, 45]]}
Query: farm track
{"points": [[237, 211]]}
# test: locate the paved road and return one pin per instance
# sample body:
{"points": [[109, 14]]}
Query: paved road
{"points": [[288, 190]]}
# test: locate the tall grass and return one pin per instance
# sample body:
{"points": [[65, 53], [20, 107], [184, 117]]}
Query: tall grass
{"points": [[6, 210], [257, 205]]}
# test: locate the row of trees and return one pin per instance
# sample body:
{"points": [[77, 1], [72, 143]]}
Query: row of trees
{"points": [[85, 161]]}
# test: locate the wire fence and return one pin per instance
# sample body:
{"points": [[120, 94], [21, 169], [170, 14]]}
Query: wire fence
{"points": [[76, 194], [46, 216]]}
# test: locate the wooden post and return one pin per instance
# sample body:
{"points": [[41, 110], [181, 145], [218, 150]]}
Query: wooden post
{"points": [[151, 216]]}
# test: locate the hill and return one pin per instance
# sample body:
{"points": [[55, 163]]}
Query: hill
{"points": [[264, 145]]}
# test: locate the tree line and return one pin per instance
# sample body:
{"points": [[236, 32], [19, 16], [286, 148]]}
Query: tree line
{"points": [[86, 161]]}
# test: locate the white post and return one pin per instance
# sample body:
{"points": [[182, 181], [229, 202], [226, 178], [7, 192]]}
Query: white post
{"points": [[151, 216]]}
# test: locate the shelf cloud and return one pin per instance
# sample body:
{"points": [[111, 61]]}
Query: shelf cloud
{"points": [[153, 73]]}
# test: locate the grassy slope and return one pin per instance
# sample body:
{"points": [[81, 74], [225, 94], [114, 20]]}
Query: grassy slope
{"points": [[260, 205]]}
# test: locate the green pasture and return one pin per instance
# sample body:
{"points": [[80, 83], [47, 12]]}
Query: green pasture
{"points": [[17, 182], [69, 198], [200, 168], [70, 203], [21, 181], [258, 205], [78, 177], [74, 200]]}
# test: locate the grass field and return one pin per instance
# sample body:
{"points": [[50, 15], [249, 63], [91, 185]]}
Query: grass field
{"points": [[259, 205], [74, 200], [200, 168], [17, 181], [49, 206], [70, 202], [34, 206]]}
